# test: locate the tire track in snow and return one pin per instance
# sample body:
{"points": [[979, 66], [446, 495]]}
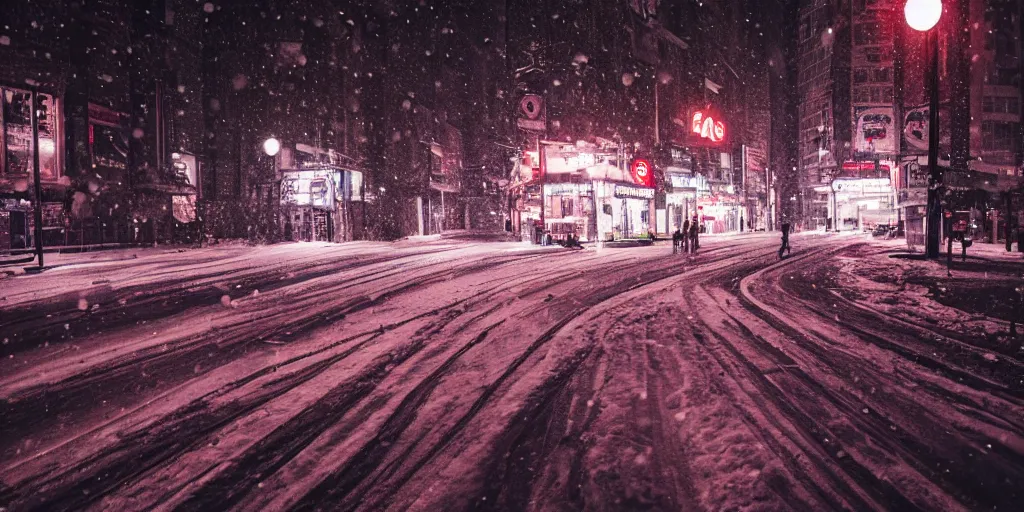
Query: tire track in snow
{"points": [[900, 439], [403, 288], [165, 365]]}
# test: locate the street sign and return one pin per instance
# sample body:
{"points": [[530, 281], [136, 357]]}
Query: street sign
{"points": [[531, 113]]}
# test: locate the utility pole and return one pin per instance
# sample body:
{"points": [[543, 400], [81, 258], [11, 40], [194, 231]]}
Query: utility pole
{"points": [[934, 220], [38, 196], [657, 131]]}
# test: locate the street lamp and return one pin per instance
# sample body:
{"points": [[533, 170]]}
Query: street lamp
{"points": [[271, 146], [923, 15]]}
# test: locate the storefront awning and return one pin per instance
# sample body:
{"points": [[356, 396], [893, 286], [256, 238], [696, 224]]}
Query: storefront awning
{"points": [[169, 188], [444, 187]]}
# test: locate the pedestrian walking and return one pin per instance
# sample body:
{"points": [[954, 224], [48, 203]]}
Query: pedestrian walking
{"points": [[694, 240], [677, 239], [785, 240], [684, 236]]}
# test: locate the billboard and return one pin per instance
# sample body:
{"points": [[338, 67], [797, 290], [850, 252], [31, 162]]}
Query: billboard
{"points": [[308, 188], [875, 131], [915, 129]]}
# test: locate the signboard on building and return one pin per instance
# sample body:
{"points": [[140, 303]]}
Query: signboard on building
{"points": [[532, 115], [308, 188], [960, 221], [642, 172], [627, 192], [707, 126], [186, 167], [864, 167], [696, 183], [756, 160], [875, 132], [915, 129], [863, 186], [560, 189], [917, 175], [356, 190]]}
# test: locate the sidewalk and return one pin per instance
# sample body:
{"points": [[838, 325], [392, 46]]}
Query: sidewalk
{"points": [[58, 260], [979, 250]]}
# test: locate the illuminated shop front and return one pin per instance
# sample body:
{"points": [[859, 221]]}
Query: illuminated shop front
{"points": [[861, 203], [681, 198], [315, 202], [587, 191], [624, 210], [569, 210], [719, 213]]}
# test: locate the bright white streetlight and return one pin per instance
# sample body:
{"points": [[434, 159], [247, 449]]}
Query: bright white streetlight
{"points": [[271, 146], [923, 14]]}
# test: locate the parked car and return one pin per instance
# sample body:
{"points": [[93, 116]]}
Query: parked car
{"points": [[884, 230]]}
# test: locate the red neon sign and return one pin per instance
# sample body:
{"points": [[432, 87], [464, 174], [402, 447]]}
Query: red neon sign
{"points": [[707, 127], [863, 166], [641, 170]]}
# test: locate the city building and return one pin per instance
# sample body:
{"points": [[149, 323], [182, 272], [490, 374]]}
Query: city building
{"points": [[863, 109], [666, 84], [118, 122]]}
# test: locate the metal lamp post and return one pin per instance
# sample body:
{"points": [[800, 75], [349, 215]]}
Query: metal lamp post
{"points": [[37, 198], [923, 15]]}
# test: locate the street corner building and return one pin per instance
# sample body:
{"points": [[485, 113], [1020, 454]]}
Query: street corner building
{"points": [[634, 134]]}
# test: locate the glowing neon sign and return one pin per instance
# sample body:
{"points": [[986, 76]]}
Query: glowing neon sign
{"points": [[707, 127], [641, 172]]}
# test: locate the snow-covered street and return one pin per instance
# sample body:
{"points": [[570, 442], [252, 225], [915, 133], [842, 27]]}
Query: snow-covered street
{"points": [[454, 375]]}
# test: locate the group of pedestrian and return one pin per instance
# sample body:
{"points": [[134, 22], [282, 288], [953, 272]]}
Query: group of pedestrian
{"points": [[686, 239]]}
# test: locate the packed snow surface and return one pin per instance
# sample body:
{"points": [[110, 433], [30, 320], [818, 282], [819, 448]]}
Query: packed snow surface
{"points": [[439, 374]]}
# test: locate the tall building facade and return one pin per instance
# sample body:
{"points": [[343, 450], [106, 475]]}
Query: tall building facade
{"points": [[626, 90], [864, 112], [119, 121]]}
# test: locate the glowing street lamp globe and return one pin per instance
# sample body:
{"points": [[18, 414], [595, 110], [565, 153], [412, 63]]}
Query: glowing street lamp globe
{"points": [[271, 146], [922, 15]]}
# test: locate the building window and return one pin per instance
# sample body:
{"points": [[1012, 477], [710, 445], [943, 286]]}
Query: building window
{"points": [[998, 136], [862, 95], [1001, 105], [867, 33], [1004, 76], [860, 76], [883, 75], [16, 130]]}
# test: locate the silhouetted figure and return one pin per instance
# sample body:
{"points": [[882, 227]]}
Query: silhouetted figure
{"points": [[694, 240], [685, 236], [785, 240]]}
